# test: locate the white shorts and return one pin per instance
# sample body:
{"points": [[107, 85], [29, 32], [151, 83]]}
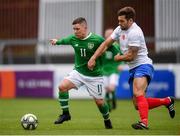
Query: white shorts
{"points": [[111, 80], [94, 85]]}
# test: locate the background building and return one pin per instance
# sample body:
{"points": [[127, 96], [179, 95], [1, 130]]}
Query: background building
{"points": [[27, 25]]}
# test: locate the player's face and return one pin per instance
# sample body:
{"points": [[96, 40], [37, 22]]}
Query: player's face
{"points": [[80, 30], [124, 23]]}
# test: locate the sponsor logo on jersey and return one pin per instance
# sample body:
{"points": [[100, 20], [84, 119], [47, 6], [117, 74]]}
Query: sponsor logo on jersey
{"points": [[90, 45], [109, 55], [123, 37], [76, 45]]}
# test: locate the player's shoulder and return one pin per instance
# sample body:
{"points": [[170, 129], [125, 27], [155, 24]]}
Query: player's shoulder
{"points": [[96, 36], [71, 36], [117, 29], [135, 29], [115, 44]]}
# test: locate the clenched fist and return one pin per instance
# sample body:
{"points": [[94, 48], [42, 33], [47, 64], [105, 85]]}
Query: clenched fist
{"points": [[53, 41]]}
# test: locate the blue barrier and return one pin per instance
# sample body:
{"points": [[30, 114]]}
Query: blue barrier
{"points": [[162, 85]]}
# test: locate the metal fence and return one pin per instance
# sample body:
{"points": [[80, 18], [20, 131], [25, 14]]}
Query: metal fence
{"points": [[167, 30], [27, 25]]}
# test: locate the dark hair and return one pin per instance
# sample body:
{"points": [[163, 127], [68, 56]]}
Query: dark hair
{"points": [[129, 13], [79, 20]]}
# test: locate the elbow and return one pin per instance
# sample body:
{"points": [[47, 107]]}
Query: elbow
{"points": [[130, 58]]}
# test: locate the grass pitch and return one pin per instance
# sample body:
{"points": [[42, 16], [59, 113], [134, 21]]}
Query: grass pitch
{"points": [[86, 119]]}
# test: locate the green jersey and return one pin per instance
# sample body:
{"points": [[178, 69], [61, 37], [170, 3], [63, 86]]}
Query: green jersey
{"points": [[84, 49], [109, 65]]}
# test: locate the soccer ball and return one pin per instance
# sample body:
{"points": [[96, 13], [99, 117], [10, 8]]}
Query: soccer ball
{"points": [[29, 121]]}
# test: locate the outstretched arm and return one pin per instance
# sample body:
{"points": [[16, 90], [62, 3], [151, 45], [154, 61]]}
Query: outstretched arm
{"points": [[53, 41], [102, 48], [62, 41]]}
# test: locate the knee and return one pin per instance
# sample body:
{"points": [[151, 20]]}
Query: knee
{"points": [[138, 92], [99, 102], [62, 88]]}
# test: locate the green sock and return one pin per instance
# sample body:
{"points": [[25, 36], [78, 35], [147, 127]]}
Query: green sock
{"points": [[63, 100], [108, 100], [113, 100], [104, 111], [113, 95]]}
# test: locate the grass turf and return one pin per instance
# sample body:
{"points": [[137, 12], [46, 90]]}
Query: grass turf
{"points": [[86, 119]]}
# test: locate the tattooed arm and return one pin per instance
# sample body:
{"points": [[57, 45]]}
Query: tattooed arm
{"points": [[129, 55]]}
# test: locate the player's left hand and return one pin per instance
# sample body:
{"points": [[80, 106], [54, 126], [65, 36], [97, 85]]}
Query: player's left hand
{"points": [[117, 57], [91, 63], [53, 41]]}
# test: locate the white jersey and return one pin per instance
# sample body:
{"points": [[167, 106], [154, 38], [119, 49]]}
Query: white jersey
{"points": [[132, 37]]}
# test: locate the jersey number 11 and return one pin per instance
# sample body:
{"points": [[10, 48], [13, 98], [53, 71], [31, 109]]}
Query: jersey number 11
{"points": [[83, 52]]}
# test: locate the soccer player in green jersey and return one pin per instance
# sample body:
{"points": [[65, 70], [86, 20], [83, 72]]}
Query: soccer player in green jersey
{"points": [[111, 70], [85, 44]]}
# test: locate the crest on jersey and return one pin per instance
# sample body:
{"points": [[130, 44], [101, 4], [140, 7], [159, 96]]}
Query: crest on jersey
{"points": [[123, 37], [90, 45]]}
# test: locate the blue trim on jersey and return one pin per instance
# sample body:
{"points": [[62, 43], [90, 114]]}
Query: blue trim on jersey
{"points": [[144, 70]]}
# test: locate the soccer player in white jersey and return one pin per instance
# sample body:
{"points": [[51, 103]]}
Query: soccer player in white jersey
{"points": [[133, 46]]}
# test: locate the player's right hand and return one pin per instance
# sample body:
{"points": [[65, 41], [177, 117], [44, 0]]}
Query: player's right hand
{"points": [[117, 57], [91, 63], [53, 41]]}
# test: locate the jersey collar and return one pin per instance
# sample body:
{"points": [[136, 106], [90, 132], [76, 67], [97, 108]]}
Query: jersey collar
{"points": [[87, 36]]}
